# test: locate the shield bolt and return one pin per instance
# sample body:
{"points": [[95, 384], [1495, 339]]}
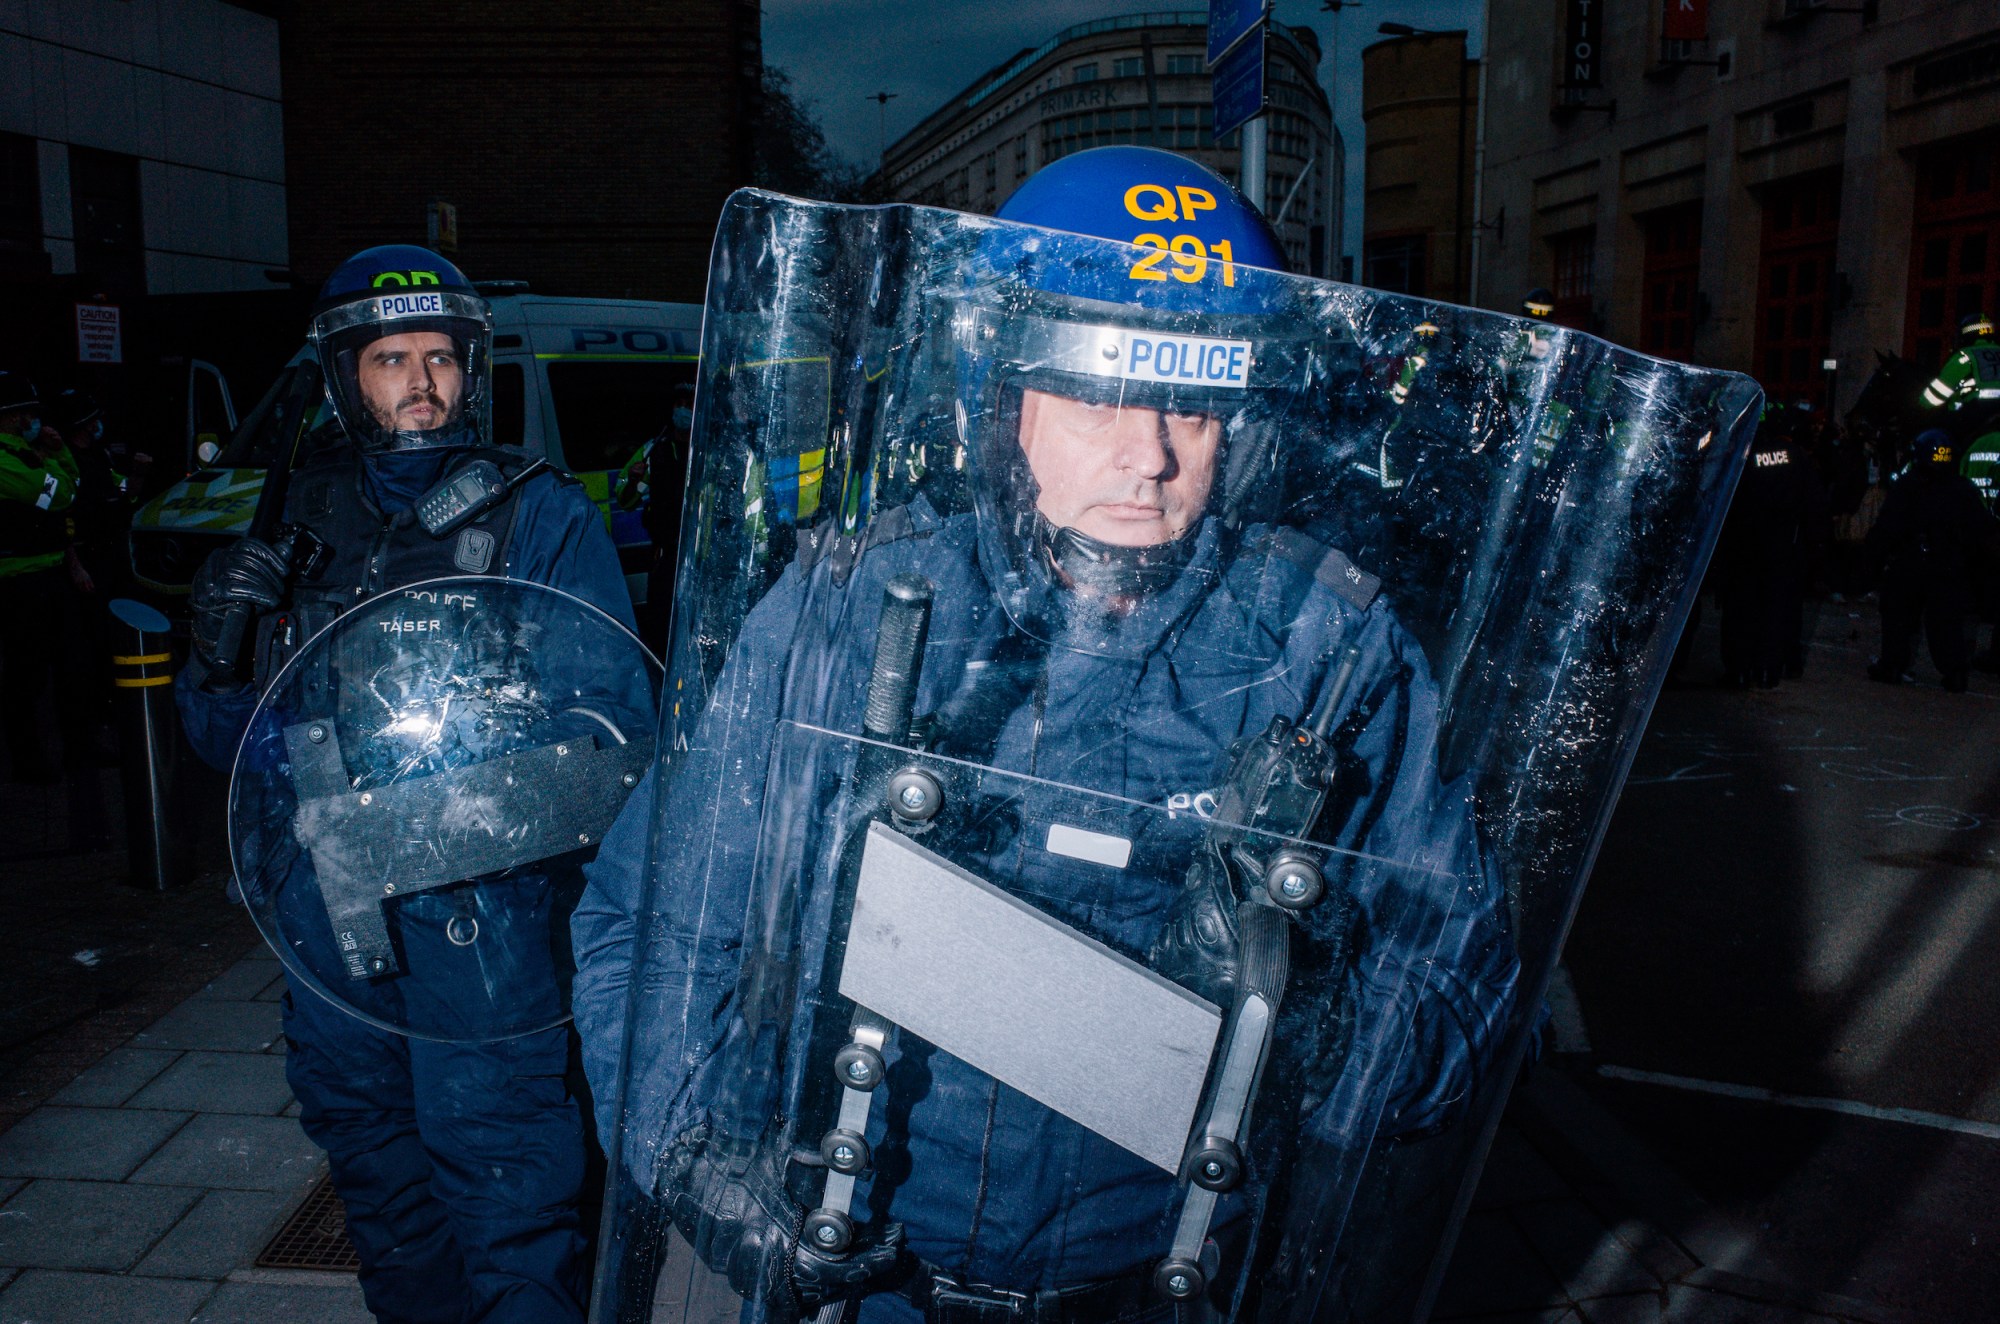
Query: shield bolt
{"points": [[829, 1230], [630, 779], [1217, 1164], [561, 750], [858, 1066], [583, 837], [316, 733], [915, 796], [1179, 1280], [1293, 880], [388, 889], [367, 799], [844, 1151], [377, 965]]}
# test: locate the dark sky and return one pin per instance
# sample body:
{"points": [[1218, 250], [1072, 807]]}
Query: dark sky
{"points": [[839, 52]]}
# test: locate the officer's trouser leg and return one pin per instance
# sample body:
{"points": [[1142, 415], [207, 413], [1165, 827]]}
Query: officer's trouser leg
{"points": [[358, 1102], [506, 1143], [1902, 612]]}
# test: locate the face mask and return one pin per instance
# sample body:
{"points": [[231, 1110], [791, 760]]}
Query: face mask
{"points": [[31, 429], [683, 418]]}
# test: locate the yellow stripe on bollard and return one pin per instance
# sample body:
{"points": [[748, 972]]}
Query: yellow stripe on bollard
{"points": [[146, 682], [139, 659]]}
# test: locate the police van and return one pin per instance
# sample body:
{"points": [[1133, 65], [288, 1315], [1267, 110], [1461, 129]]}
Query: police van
{"points": [[584, 382]]}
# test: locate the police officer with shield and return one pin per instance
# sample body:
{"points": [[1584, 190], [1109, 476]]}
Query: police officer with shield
{"points": [[425, 1043], [1139, 699]]}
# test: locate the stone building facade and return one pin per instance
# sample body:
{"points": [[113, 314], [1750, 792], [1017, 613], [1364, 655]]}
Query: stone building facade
{"points": [[1138, 78], [1419, 99], [1773, 186]]}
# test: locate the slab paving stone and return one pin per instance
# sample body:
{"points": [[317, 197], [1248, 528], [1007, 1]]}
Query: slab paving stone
{"points": [[203, 1082], [222, 1233], [91, 1144], [40, 1296], [226, 1027], [1591, 1259], [338, 1302], [9, 1185], [87, 1224], [236, 1153], [118, 1075], [241, 982]]}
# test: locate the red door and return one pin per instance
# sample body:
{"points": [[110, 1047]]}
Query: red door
{"points": [[1668, 297], [1795, 286], [1955, 244]]}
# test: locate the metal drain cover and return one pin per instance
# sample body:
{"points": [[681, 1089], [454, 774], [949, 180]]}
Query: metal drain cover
{"points": [[314, 1237]]}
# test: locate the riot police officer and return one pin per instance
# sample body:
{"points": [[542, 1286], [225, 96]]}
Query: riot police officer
{"points": [[1088, 603], [459, 1164], [38, 485], [1933, 539], [1967, 389]]}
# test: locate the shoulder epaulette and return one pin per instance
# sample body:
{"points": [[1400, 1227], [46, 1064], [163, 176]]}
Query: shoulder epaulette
{"points": [[1329, 566]]}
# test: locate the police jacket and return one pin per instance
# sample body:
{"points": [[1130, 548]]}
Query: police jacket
{"points": [[360, 505], [35, 496], [1056, 1204], [1935, 527]]}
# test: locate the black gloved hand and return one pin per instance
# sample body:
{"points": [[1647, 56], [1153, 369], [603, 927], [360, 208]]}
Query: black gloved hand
{"points": [[736, 1213], [1198, 947], [250, 572]]}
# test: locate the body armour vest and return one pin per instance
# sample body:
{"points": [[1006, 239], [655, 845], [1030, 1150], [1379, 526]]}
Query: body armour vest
{"points": [[369, 552], [28, 529]]}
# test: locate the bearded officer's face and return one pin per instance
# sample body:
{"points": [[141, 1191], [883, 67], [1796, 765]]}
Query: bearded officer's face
{"points": [[1123, 475], [412, 382]]}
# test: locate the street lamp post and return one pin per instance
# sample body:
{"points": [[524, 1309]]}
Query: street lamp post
{"points": [[1458, 175]]}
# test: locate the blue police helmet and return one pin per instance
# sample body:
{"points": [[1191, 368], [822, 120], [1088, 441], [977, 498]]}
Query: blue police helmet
{"points": [[1934, 446], [1186, 311], [396, 290]]}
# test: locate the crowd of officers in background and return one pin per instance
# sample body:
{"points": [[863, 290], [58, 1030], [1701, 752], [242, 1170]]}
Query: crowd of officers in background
{"points": [[1904, 511], [67, 494]]}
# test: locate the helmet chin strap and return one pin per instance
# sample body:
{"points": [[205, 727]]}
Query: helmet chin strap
{"points": [[1095, 568]]}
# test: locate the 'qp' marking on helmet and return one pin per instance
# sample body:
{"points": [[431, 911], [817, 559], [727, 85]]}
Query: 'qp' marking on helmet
{"points": [[403, 278], [1139, 201]]}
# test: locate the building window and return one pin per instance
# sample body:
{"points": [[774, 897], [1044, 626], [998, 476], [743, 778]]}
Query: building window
{"points": [[1795, 281], [1186, 64], [1668, 296], [1954, 246], [1180, 127], [1395, 263], [1021, 157], [1574, 258], [1084, 73], [20, 194], [992, 175], [1129, 66], [104, 209]]}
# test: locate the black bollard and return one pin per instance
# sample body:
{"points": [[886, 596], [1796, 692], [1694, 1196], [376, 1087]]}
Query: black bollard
{"points": [[142, 672]]}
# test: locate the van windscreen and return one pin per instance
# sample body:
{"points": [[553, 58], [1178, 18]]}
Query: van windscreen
{"points": [[607, 408]]}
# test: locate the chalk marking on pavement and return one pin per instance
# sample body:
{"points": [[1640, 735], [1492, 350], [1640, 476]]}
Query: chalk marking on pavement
{"points": [[1679, 775], [1758, 1094]]}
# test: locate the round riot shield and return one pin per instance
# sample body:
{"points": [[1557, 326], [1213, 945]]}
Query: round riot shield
{"points": [[417, 794], [1139, 726]]}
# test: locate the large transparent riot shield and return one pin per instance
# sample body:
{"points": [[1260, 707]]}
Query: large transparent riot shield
{"points": [[1104, 864], [418, 790]]}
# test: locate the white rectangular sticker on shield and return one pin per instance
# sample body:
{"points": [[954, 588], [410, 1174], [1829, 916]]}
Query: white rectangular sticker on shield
{"points": [[1027, 999]]}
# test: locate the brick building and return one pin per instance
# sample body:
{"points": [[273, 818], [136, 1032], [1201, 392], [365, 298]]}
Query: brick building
{"points": [[1419, 98], [587, 148]]}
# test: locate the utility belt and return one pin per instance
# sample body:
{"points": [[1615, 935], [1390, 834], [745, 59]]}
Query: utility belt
{"points": [[950, 1299]]}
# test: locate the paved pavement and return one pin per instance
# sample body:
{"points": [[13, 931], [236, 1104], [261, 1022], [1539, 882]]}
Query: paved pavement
{"points": [[143, 1190]]}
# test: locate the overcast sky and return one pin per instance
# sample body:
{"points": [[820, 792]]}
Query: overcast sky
{"points": [[840, 52]]}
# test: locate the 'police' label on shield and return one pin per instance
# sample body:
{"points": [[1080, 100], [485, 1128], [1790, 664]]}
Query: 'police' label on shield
{"points": [[1195, 360]]}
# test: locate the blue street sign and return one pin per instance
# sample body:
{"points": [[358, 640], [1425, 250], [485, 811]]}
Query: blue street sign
{"points": [[1230, 21], [1238, 86]]}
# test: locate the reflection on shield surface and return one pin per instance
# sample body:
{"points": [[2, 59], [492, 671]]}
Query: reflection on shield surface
{"points": [[418, 790], [1031, 916]]}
